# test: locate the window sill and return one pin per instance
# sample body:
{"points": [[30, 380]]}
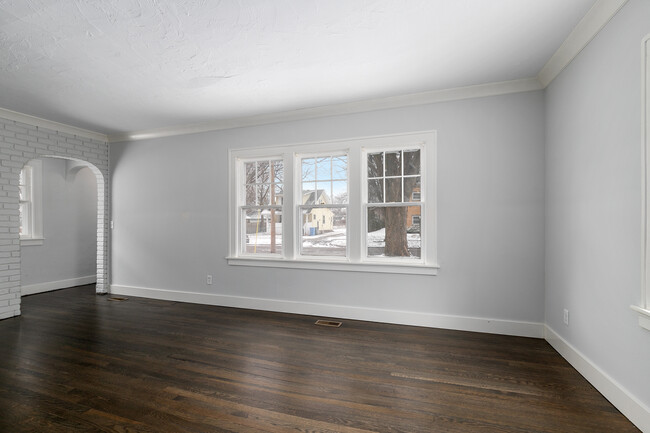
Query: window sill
{"points": [[378, 267], [644, 316], [29, 242]]}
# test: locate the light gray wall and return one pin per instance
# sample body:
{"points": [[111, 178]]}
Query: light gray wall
{"points": [[593, 197], [170, 212], [69, 249]]}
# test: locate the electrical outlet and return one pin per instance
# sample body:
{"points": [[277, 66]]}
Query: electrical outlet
{"points": [[209, 279], [566, 317]]}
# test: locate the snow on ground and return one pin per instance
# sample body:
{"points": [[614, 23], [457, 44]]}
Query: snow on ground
{"points": [[334, 239]]}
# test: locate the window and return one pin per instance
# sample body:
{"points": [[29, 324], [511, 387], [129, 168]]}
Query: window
{"points": [[363, 205], [25, 197], [392, 177], [323, 194], [261, 207], [30, 211]]}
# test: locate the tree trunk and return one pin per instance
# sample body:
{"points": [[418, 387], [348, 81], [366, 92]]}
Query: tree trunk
{"points": [[396, 243]]}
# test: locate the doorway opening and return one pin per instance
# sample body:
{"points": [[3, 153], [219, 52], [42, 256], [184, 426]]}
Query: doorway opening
{"points": [[71, 250]]}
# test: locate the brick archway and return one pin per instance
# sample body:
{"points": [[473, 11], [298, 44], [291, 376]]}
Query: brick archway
{"points": [[19, 143]]}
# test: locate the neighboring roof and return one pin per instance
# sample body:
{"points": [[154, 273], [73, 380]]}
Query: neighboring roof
{"points": [[314, 197]]}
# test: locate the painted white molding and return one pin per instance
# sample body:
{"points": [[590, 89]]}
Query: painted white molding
{"points": [[431, 97], [428, 320], [55, 126], [643, 309], [628, 404], [597, 17], [587, 29], [332, 265], [56, 285], [644, 316]]}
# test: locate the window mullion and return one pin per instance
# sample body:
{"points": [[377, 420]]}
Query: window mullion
{"points": [[288, 205], [356, 190]]}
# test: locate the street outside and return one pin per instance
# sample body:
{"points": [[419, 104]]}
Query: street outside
{"points": [[330, 243]]}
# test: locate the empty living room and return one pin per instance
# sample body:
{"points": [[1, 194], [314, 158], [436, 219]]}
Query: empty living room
{"points": [[325, 216]]}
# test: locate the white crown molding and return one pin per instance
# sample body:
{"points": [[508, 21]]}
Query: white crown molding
{"points": [[55, 126], [587, 29], [431, 97], [595, 19]]}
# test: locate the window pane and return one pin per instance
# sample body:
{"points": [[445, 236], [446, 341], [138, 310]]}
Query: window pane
{"points": [[278, 195], [412, 189], [340, 167], [376, 165], [394, 163], [394, 190], [250, 195], [412, 162], [249, 169], [263, 195], [324, 168], [324, 190], [24, 228], [308, 169], [392, 233], [278, 171], [375, 191], [307, 189], [340, 192], [263, 172], [324, 231], [263, 234]]}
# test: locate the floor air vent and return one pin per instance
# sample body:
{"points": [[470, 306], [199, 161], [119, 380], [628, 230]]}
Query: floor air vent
{"points": [[117, 298], [330, 323]]}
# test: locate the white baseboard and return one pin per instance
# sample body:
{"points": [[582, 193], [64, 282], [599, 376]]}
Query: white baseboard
{"points": [[630, 406], [55, 285], [462, 323]]}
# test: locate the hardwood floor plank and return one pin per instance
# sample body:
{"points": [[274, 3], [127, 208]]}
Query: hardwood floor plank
{"points": [[76, 362]]}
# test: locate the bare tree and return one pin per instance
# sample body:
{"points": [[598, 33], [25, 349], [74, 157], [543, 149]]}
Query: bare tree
{"points": [[395, 241]]}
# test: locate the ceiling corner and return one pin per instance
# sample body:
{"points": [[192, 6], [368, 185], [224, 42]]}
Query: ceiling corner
{"points": [[588, 27]]}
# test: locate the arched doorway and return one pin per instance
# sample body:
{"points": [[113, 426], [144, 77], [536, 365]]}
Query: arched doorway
{"points": [[23, 138], [73, 166]]}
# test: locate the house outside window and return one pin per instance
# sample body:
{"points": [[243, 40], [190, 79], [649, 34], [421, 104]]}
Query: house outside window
{"points": [[323, 193], [362, 205]]}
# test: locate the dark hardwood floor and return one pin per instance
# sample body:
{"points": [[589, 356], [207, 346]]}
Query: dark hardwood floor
{"points": [[75, 361]]}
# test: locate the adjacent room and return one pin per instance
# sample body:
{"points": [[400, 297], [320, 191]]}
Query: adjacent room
{"points": [[324, 216]]}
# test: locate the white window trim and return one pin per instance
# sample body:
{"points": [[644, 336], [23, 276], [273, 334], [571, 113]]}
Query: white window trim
{"points": [[356, 260], [35, 238], [424, 232], [644, 308]]}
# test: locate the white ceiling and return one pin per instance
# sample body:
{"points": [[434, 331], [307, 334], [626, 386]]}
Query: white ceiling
{"points": [[133, 65]]}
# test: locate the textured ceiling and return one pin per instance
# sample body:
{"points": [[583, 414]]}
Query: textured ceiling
{"points": [[127, 65]]}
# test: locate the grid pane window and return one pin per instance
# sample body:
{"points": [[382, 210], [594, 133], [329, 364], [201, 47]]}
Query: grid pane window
{"points": [[394, 230], [323, 205], [261, 213], [25, 197], [364, 204]]}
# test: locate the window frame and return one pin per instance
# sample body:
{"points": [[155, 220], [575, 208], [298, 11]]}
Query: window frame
{"points": [[34, 237], [297, 188], [243, 207], [386, 148], [356, 259]]}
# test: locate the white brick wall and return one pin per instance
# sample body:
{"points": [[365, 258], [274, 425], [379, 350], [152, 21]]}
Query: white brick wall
{"points": [[19, 143]]}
